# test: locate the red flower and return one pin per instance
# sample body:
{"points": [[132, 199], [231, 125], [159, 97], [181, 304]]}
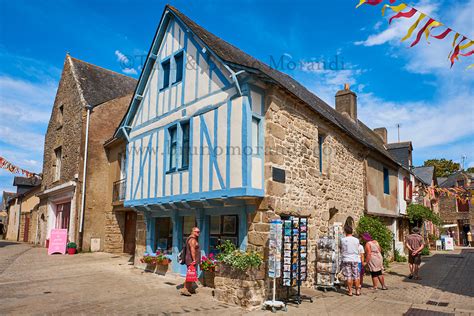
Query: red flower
{"points": [[211, 255]]}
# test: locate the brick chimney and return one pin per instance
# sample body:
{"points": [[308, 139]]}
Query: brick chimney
{"points": [[346, 102], [382, 132]]}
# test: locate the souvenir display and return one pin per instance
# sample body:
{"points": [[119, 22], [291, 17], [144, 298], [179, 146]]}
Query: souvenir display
{"points": [[328, 258], [275, 243], [295, 254]]}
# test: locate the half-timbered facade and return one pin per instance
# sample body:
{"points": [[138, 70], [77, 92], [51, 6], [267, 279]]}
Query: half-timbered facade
{"points": [[216, 138]]}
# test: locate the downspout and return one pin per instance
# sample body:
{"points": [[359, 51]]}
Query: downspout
{"points": [[20, 200], [84, 177]]}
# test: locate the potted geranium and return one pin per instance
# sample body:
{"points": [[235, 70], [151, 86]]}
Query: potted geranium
{"points": [[208, 267], [71, 248], [150, 261]]}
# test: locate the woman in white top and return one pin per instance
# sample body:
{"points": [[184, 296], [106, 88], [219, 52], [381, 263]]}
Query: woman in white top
{"points": [[350, 260]]}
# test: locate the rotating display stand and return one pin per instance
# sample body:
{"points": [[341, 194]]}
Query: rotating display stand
{"points": [[295, 254]]}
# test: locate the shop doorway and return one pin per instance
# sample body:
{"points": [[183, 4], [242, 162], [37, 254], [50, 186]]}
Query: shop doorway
{"points": [[26, 228], [63, 213], [164, 235], [129, 233]]}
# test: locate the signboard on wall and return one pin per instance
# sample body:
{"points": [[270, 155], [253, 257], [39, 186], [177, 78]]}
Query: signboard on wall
{"points": [[57, 241]]}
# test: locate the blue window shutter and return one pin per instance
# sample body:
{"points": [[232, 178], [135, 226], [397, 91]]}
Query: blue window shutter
{"points": [[386, 181]]}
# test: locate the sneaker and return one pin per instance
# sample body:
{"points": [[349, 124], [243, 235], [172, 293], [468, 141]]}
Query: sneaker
{"points": [[410, 276], [185, 292]]}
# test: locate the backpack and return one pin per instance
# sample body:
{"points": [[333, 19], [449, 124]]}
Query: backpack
{"points": [[182, 254]]}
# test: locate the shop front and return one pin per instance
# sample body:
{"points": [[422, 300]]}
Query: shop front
{"points": [[167, 230]]}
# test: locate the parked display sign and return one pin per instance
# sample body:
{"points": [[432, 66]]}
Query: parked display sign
{"points": [[57, 241]]}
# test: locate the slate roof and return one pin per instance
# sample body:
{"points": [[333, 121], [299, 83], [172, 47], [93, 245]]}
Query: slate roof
{"points": [[24, 181], [441, 180], [399, 145], [426, 174], [453, 178], [98, 84], [238, 59]]}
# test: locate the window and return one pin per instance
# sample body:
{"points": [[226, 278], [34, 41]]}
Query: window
{"points": [[164, 234], [166, 74], [463, 205], [320, 148], [173, 138], [386, 181], [178, 60], [57, 165], [255, 135], [407, 189], [60, 115], [223, 227], [185, 145], [62, 215]]}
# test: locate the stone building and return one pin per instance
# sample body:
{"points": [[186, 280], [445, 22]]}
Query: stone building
{"points": [[456, 214], [22, 210], [82, 86], [218, 139]]}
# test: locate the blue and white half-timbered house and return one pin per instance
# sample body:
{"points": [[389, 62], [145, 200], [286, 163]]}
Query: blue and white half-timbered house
{"points": [[221, 140], [195, 142]]}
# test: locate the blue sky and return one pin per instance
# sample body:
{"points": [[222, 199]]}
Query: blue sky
{"points": [[395, 84]]}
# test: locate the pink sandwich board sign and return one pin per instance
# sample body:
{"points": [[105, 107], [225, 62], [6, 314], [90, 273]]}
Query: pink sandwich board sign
{"points": [[57, 241]]}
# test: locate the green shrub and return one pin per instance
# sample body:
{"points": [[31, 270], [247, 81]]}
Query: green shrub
{"points": [[425, 251], [418, 213], [399, 257], [71, 245], [238, 259], [377, 230]]}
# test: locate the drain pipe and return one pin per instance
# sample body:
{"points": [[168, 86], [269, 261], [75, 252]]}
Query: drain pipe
{"points": [[84, 176]]}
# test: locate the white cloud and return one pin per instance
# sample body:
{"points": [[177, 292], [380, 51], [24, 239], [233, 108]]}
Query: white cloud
{"points": [[121, 57], [125, 63], [129, 71]]}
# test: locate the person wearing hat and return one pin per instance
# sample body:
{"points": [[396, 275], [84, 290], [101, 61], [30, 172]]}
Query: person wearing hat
{"points": [[415, 245]]}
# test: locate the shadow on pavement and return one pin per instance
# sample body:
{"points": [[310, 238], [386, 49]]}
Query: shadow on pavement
{"points": [[449, 272], [4, 243]]}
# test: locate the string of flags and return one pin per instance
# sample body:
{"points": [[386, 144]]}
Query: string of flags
{"points": [[460, 43], [5, 164], [459, 193]]}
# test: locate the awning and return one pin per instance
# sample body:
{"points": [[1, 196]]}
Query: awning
{"points": [[449, 225]]}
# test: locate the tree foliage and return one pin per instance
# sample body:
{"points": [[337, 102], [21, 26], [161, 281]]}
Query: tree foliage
{"points": [[377, 230], [470, 170], [443, 167], [418, 213]]}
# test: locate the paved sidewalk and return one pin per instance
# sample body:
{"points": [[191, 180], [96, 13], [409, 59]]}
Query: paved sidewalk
{"points": [[31, 282]]}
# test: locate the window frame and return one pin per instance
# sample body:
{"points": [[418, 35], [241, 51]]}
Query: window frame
{"points": [[58, 155], [166, 73], [258, 146], [184, 142], [321, 140], [178, 68], [172, 143]]}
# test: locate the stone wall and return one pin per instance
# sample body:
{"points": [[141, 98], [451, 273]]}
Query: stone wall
{"points": [[333, 195], [67, 134], [114, 231], [98, 217]]}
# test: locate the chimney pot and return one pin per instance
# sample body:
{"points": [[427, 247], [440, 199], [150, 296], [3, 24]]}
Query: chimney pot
{"points": [[382, 133], [346, 102]]}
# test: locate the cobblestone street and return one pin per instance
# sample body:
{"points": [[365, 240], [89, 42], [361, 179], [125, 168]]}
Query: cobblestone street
{"points": [[33, 283]]}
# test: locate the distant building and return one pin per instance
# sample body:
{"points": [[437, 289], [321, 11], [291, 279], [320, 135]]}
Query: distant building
{"points": [[458, 215], [22, 210]]}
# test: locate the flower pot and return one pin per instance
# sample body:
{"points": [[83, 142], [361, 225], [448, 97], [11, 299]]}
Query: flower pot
{"points": [[71, 251], [161, 269], [208, 279], [150, 267]]}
